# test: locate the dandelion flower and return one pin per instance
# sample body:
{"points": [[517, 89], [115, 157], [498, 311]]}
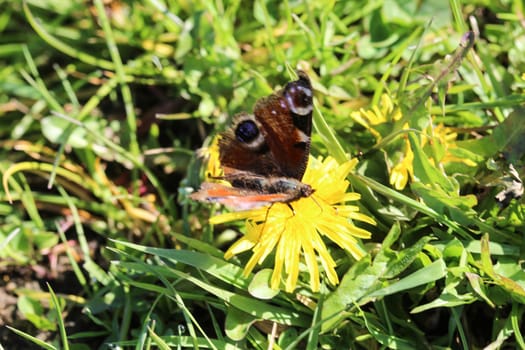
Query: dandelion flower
{"points": [[384, 113], [387, 112], [445, 149], [404, 169], [295, 231], [446, 138]]}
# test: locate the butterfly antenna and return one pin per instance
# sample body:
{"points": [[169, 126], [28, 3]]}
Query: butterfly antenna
{"points": [[319, 205]]}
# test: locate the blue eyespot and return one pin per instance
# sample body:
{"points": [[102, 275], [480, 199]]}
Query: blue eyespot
{"points": [[246, 131]]}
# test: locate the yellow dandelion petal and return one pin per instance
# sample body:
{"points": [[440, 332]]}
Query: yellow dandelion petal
{"points": [[289, 249], [275, 281], [263, 247], [387, 106], [376, 115], [328, 264], [214, 168], [399, 177], [250, 265], [311, 263], [358, 117], [233, 216], [361, 217], [270, 236], [326, 259], [351, 197], [344, 169], [339, 234], [247, 242], [404, 170]]}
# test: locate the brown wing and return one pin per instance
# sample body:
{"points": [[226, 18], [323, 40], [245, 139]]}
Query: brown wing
{"points": [[243, 148], [286, 119], [276, 141]]}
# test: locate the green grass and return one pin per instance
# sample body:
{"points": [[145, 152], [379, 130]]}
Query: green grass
{"points": [[102, 110]]}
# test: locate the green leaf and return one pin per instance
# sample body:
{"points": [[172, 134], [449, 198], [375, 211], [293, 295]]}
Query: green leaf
{"points": [[45, 240], [58, 315], [237, 323], [54, 129], [260, 285], [158, 340], [446, 300], [476, 282], [361, 283], [405, 257], [185, 40], [221, 269], [426, 172], [384, 336], [459, 208], [507, 137], [33, 339], [514, 282], [227, 272], [427, 274], [34, 312]]}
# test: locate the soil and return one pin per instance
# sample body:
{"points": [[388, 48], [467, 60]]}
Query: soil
{"points": [[17, 280], [13, 279]]}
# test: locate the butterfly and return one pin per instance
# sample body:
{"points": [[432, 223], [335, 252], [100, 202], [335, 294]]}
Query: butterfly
{"points": [[264, 155]]}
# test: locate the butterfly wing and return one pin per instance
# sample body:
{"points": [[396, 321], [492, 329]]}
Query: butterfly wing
{"points": [[236, 198], [286, 119], [244, 149], [275, 141]]}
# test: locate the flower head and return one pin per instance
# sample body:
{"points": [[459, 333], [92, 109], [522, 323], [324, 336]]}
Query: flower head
{"points": [[446, 137], [295, 230], [404, 169], [401, 160], [384, 113], [387, 112]]}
